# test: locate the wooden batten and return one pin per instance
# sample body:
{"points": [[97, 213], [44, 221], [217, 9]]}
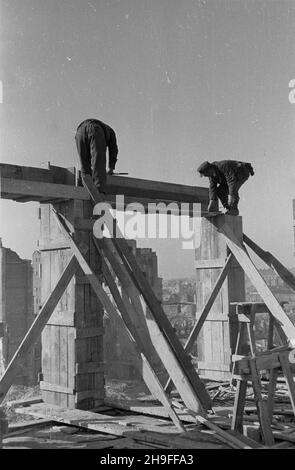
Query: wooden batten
{"points": [[72, 340], [218, 334]]}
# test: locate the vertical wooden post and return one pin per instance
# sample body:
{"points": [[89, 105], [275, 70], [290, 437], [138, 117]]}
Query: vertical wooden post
{"points": [[3, 426], [72, 341], [217, 338], [3, 338]]}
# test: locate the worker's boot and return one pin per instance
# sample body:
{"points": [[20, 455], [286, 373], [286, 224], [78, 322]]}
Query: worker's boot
{"points": [[79, 180], [224, 203], [233, 210]]}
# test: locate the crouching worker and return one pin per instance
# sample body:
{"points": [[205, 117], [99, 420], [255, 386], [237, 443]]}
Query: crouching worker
{"points": [[93, 137], [225, 179]]}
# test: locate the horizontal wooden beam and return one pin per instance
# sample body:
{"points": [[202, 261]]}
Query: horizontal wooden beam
{"points": [[46, 185], [39, 191]]}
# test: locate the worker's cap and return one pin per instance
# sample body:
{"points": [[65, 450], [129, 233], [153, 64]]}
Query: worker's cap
{"points": [[203, 168]]}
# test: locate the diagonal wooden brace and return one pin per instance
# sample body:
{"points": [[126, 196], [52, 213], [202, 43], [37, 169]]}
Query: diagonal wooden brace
{"points": [[262, 288], [272, 262], [148, 373]]}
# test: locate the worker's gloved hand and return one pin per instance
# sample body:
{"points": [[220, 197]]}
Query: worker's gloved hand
{"points": [[111, 171], [230, 201], [213, 206]]}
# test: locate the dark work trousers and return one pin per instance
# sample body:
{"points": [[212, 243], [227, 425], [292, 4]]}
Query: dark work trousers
{"points": [[223, 192], [91, 146]]}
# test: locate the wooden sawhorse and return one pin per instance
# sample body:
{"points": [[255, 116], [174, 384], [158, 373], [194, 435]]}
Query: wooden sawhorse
{"points": [[248, 362]]}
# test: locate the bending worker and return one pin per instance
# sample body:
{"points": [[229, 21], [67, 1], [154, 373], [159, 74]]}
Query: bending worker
{"points": [[92, 139], [225, 179]]}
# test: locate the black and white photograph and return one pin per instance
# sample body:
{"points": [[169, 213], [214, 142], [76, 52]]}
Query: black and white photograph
{"points": [[147, 230]]}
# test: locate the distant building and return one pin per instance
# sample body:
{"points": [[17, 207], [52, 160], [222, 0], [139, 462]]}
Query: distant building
{"points": [[119, 353], [16, 311], [280, 290]]}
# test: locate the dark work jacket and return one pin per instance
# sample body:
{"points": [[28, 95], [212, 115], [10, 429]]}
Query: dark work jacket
{"points": [[231, 173], [111, 140]]}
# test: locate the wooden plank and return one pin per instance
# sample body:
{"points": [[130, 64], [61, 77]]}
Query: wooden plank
{"points": [[205, 311], [55, 362], [93, 394], [264, 419], [24, 402], [273, 375], [56, 388], [246, 263], [18, 428], [63, 366], [63, 317], [239, 405], [176, 442], [89, 367], [71, 365], [116, 425], [270, 337], [289, 378], [284, 436], [37, 326], [224, 436], [146, 409], [46, 360], [210, 263], [54, 246]]}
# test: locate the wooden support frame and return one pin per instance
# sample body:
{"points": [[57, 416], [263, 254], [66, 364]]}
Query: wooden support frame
{"points": [[26, 184], [179, 366], [37, 326], [169, 359]]}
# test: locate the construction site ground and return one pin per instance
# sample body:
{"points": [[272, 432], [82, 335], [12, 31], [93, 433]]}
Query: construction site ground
{"points": [[131, 419]]}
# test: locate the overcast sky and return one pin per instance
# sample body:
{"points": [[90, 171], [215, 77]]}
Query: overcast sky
{"points": [[180, 82]]}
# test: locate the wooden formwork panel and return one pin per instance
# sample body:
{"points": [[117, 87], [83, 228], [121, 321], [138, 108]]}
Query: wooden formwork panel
{"points": [[72, 341], [217, 336]]}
